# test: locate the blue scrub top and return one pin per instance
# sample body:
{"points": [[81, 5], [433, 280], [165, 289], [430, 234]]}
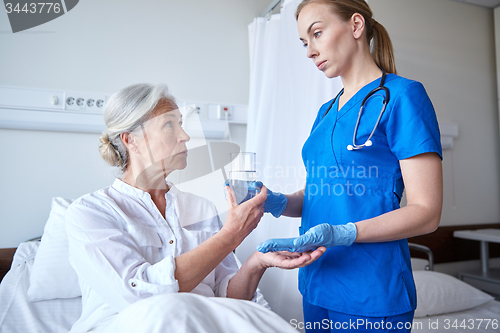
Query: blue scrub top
{"points": [[369, 279]]}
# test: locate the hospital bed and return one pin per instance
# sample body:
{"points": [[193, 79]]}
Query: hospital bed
{"points": [[453, 306], [444, 302], [19, 314], [40, 293]]}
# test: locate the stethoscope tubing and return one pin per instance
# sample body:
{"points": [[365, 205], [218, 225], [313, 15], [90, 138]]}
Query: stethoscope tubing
{"points": [[368, 142]]}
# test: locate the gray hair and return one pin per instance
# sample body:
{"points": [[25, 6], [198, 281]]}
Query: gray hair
{"points": [[125, 111]]}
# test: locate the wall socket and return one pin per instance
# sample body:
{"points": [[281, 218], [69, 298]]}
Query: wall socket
{"points": [[224, 111], [85, 102]]}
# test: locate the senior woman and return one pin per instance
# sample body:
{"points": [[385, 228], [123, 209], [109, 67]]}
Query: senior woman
{"points": [[143, 237]]}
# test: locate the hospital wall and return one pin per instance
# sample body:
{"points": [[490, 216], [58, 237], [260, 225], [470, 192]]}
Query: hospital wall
{"points": [[198, 48], [450, 48]]}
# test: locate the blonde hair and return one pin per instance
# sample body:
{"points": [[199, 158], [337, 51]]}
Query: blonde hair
{"points": [[125, 111], [377, 36]]}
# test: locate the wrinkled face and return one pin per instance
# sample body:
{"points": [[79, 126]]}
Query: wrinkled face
{"points": [[161, 141], [328, 39]]}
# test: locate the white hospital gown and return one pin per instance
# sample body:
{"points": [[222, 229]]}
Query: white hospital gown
{"points": [[123, 249]]}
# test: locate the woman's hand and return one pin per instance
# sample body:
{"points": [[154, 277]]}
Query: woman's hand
{"points": [[289, 260], [243, 219]]}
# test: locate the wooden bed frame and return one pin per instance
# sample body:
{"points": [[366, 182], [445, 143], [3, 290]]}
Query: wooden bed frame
{"points": [[6, 256], [447, 248], [444, 246]]}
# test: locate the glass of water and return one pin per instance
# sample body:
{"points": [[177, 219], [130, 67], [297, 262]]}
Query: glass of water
{"points": [[242, 175]]}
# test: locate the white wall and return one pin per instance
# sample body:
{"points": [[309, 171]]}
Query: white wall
{"points": [[450, 48], [199, 48]]}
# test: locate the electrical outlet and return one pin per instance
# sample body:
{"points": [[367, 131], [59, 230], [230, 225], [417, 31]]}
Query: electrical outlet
{"points": [[95, 104], [85, 102], [224, 112], [74, 102], [202, 110]]}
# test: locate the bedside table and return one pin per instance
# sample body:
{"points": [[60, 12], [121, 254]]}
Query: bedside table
{"points": [[485, 279]]}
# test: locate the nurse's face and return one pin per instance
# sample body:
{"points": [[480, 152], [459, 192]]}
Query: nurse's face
{"points": [[329, 40]]}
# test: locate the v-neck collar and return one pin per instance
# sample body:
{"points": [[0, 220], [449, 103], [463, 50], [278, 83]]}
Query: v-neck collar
{"points": [[357, 98]]}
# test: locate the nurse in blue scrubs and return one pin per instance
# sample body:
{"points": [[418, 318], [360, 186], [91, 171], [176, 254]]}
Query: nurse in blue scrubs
{"points": [[351, 201]]}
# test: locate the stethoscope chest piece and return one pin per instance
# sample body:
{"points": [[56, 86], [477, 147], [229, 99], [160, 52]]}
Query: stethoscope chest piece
{"points": [[368, 141]]}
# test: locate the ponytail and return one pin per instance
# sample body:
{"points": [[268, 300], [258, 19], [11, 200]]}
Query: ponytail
{"points": [[377, 36], [381, 48]]}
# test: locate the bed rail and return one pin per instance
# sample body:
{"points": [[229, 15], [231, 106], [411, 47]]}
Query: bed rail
{"points": [[427, 251]]}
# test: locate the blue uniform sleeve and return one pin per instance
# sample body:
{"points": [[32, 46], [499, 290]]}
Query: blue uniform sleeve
{"points": [[412, 127]]}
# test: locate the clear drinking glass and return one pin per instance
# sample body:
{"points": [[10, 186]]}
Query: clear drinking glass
{"points": [[242, 175]]}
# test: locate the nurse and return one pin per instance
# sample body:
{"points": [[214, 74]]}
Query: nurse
{"points": [[351, 201]]}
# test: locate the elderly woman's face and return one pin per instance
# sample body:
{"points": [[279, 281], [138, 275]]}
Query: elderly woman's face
{"points": [[162, 143]]}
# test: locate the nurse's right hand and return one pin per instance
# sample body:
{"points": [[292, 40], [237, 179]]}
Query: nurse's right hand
{"points": [[325, 234], [242, 219]]}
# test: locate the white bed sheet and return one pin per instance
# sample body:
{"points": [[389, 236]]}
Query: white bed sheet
{"points": [[18, 314], [187, 312], [473, 320]]}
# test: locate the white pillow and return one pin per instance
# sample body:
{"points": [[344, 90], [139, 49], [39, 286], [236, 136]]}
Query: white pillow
{"points": [[52, 275], [439, 293]]}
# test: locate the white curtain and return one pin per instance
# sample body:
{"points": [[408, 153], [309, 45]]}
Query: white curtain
{"points": [[286, 91]]}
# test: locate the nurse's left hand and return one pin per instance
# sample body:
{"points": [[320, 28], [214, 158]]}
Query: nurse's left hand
{"points": [[275, 203], [325, 234], [289, 260]]}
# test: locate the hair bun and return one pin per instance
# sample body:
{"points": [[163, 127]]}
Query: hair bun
{"points": [[104, 138], [108, 151]]}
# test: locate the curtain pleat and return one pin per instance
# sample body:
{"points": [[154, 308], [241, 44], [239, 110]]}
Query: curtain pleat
{"points": [[286, 91]]}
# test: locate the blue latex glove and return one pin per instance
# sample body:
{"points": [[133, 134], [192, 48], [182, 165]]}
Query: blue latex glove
{"points": [[274, 204], [325, 234]]}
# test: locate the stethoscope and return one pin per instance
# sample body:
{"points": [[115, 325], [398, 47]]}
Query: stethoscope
{"points": [[368, 142]]}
